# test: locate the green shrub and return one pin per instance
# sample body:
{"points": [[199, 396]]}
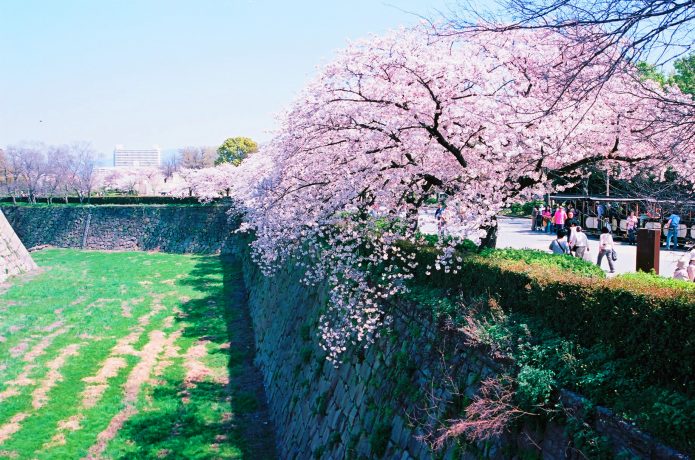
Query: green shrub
{"points": [[646, 321], [524, 209]]}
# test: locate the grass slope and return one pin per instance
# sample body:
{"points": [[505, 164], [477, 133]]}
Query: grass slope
{"points": [[118, 355]]}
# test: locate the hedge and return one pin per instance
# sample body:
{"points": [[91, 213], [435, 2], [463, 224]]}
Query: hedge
{"points": [[646, 320], [109, 200]]}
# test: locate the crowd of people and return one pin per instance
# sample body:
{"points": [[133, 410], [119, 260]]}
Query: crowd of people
{"points": [[570, 238]]}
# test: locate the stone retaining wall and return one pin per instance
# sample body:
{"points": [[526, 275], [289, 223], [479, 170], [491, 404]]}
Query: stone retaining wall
{"points": [[371, 405], [178, 229], [14, 258]]}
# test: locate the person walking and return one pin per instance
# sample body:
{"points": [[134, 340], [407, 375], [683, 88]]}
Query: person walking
{"points": [[691, 266], [438, 212], [539, 219], [672, 228], [534, 215], [559, 218], [559, 245], [441, 225], [547, 216], [681, 272], [605, 248], [631, 227], [571, 220], [580, 243]]}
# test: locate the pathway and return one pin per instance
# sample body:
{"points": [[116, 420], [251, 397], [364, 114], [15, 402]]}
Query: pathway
{"points": [[515, 232]]}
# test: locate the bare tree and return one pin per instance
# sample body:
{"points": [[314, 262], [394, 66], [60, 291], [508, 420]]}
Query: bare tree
{"points": [[170, 166], [653, 30], [32, 167], [57, 172], [82, 168], [198, 157], [11, 171]]}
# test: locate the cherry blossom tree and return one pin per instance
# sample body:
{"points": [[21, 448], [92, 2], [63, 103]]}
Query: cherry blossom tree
{"points": [[398, 117]]}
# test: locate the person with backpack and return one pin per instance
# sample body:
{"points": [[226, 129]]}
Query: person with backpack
{"points": [[605, 248], [559, 245]]}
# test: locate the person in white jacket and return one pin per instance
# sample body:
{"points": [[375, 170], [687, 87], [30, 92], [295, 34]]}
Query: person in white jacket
{"points": [[605, 248], [579, 243]]}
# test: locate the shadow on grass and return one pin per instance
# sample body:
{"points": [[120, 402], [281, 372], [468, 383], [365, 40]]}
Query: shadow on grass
{"points": [[209, 420]]}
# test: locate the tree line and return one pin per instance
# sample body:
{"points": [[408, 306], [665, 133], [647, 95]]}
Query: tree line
{"points": [[38, 171]]}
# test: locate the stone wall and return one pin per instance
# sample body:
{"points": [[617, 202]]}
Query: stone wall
{"points": [[373, 404], [14, 258], [170, 228]]}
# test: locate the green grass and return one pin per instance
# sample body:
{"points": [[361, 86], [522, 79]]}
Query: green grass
{"points": [[77, 300]]}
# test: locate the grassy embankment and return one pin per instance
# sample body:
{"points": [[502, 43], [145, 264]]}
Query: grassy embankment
{"points": [[120, 355]]}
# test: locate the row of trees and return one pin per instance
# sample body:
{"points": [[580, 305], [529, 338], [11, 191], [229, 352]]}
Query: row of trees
{"points": [[232, 150], [49, 171]]}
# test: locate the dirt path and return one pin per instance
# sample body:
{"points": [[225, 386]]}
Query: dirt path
{"points": [[137, 377]]}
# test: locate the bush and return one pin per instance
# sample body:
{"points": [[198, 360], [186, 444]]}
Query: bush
{"points": [[524, 209], [647, 321]]}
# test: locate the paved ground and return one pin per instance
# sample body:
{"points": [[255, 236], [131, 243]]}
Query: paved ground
{"points": [[516, 233]]}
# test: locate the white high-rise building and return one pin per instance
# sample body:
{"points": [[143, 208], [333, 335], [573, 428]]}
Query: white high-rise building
{"points": [[123, 157]]}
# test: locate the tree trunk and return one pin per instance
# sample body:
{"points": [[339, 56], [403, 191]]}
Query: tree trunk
{"points": [[490, 238]]}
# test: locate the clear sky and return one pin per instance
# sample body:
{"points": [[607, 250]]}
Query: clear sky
{"points": [[170, 72]]}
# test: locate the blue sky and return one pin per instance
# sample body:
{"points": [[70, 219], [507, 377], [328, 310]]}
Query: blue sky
{"points": [[170, 72]]}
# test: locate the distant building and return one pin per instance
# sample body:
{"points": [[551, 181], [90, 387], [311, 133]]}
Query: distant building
{"points": [[137, 157]]}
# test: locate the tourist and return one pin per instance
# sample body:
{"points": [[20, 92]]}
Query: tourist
{"points": [[672, 228], [441, 225], [600, 211], [580, 244], [559, 218], [691, 266], [547, 216], [539, 219], [631, 227], [681, 272], [571, 231], [571, 220], [534, 214], [559, 245], [605, 248], [438, 212]]}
